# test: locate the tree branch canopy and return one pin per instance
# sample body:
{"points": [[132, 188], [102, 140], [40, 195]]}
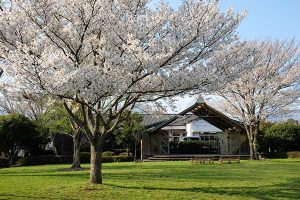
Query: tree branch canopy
{"points": [[53, 40], [108, 56], [269, 86]]}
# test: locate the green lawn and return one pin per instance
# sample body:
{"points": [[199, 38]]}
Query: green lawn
{"points": [[274, 179]]}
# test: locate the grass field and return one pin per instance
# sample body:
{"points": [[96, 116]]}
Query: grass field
{"points": [[272, 179]]}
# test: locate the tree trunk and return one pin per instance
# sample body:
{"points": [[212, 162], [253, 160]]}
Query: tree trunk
{"points": [[135, 143], [13, 156], [255, 149], [96, 163], [253, 143], [76, 146], [11, 160]]}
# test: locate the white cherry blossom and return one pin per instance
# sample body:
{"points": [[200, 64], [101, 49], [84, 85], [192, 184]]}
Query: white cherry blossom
{"points": [[110, 55]]}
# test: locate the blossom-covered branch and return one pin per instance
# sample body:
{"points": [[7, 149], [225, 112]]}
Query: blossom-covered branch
{"points": [[108, 56]]}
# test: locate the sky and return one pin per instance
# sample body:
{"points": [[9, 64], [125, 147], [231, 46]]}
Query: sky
{"points": [[276, 19], [266, 19]]}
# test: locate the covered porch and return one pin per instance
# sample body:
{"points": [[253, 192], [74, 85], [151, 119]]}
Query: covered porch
{"points": [[183, 157], [231, 140]]}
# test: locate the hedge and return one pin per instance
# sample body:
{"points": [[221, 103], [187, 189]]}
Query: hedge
{"points": [[45, 159], [108, 153], [192, 147], [289, 154], [85, 157], [4, 162], [293, 154], [67, 159]]}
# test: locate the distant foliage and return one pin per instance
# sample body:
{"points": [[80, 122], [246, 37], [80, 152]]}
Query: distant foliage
{"points": [[129, 131], [4, 162], [56, 120], [284, 136], [19, 133], [108, 153], [67, 159], [293, 154]]}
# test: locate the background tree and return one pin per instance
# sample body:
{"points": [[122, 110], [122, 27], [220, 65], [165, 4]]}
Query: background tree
{"points": [[280, 136], [13, 101], [57, 121], [269, 87], [129, 132], [19, 133], [48, 116], [109, 56]]}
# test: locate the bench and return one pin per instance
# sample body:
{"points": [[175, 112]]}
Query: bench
{"points": [[229, 159], [202, 160]]}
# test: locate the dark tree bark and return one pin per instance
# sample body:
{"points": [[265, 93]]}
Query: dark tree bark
{"points": [[253, 145], [96, 163], [13, 156], [96, 129], [77, 141], [135, 144]]}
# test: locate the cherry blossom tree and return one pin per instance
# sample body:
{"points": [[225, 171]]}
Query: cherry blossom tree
{"points": [[46, 113], [108, 56], [269, 86], [28, 105]]}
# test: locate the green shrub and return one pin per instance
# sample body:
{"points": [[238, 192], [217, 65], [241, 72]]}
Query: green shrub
{"points": [[125, 154], [19, 132], [4, 162], [276, 155], [85, 157], [108, 153], [293, 154], [67, 159], [46, 159], [280, 137], [289, 154], [123, 158], [189, 147]]}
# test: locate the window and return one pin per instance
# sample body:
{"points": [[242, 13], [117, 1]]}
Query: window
{"points": [[194, 139]]}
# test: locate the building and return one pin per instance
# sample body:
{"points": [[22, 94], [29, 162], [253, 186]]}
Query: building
{"points": [[227, 135]]}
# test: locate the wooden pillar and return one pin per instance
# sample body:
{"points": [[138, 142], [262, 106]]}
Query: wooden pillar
{"points": [[240, 146], [229, 141], [141, 149]]}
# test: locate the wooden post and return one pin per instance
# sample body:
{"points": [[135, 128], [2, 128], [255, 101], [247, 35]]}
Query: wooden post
{"points": [[228, 143], [240, 146], [141, 149]]}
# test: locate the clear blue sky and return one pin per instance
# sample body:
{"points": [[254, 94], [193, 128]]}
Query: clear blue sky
{"points": [[274, 19], [277, 19]]}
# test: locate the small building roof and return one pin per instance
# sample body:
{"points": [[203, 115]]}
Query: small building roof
{"points": [[199, 110], [149, 119]]}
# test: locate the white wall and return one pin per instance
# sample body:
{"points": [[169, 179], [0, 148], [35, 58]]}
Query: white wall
{"points": [[189, 131], [200, 126]]}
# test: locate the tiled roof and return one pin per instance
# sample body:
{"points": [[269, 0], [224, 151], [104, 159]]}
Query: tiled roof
{"points": [[149, 119], [200, 110]]}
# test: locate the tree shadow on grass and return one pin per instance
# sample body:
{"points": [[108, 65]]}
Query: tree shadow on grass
{"points": [[25, 170], [50, 175], [63, 172], [149, 176], [14, 196], [288, 190], [153, 174]]}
